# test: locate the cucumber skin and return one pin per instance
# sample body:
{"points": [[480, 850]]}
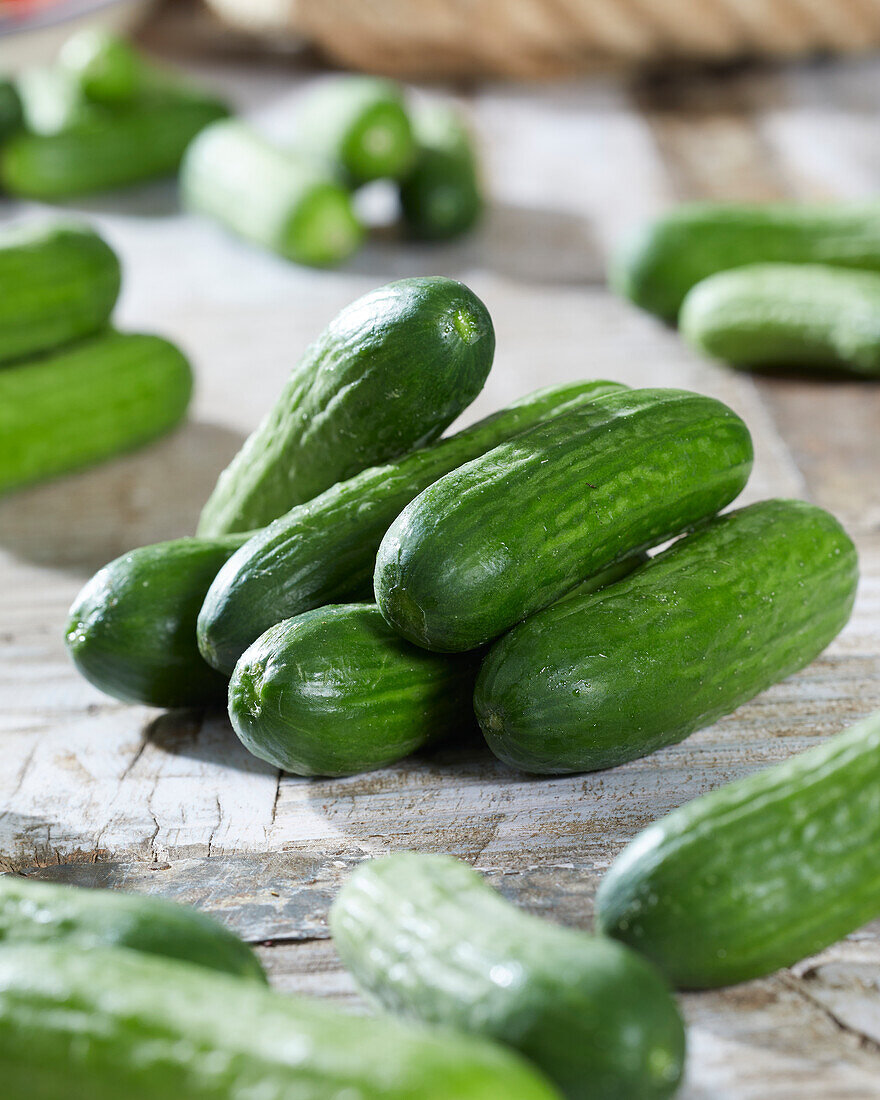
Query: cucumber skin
{"points": [[336, 692], [131, 631], [747, 879], [324, 551], [428, 938], [261, 193], [389, 373], [87, 403], [335, 117], [99, 1025], [512, 531], [668, 256], [81, 920], [441, 197], [787, 315], [59, 283], [105, 150], [721, 615], [10, 109]]}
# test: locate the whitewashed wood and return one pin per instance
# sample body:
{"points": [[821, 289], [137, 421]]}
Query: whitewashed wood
{"points": [[99, 793]]}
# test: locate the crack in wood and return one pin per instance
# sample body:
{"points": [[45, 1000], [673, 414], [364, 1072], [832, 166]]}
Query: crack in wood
{"points": [[797, 986]]}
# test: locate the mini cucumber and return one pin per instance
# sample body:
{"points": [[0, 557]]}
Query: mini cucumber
{"points": [[513, 530], [58, 283], [276, 199], [83, 920], [661, 263], [427, 937], [360, 126], [441, 197], [725, 612], [336, 692], [105, 66], [82, 404], [105, 149], [388, 374], [132, 629], [758, 874], [111, 1023], [787, 315], [325, 551]]}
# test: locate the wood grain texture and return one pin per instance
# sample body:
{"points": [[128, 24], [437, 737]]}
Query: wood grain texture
{"points": [[97, 793]]}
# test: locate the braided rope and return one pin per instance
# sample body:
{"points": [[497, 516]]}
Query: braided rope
{"points": [[551, 37]]}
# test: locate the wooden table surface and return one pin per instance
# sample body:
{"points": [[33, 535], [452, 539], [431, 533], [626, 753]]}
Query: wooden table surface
{"points": [[95, 792]]}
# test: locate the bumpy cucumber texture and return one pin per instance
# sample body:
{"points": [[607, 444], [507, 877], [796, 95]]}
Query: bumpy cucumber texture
{"points": [[132, 629], [336, 692], [513, 530], [389, 373], [718, 617], [758, 874], [427, 937], [324, 551]]}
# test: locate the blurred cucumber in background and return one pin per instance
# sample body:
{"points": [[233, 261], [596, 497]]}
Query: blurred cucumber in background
{"points": [[441, 197], [299, 199], [72, 390], [105, 116], [279, 200], [101, 117]]}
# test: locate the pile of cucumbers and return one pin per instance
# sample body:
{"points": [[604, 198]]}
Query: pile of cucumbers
{"points": [[779, 286], [101, 117], [358, 589], [297, 200], [73, 391]]}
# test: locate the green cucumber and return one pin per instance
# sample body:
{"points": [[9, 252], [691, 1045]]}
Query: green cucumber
{"points": [[325, 551], [441, 197], [82, 404], [105, 66], [661, 263], [111, 1023], [10, 109], [721, 615], [358, 125], [105, 148], [58, 283], [274, 198], [82, 920], [336, 692], [427, 937], [787, 315], [758, 874], [388, 374], [513, 530], [132, 629], [108, 69]]}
